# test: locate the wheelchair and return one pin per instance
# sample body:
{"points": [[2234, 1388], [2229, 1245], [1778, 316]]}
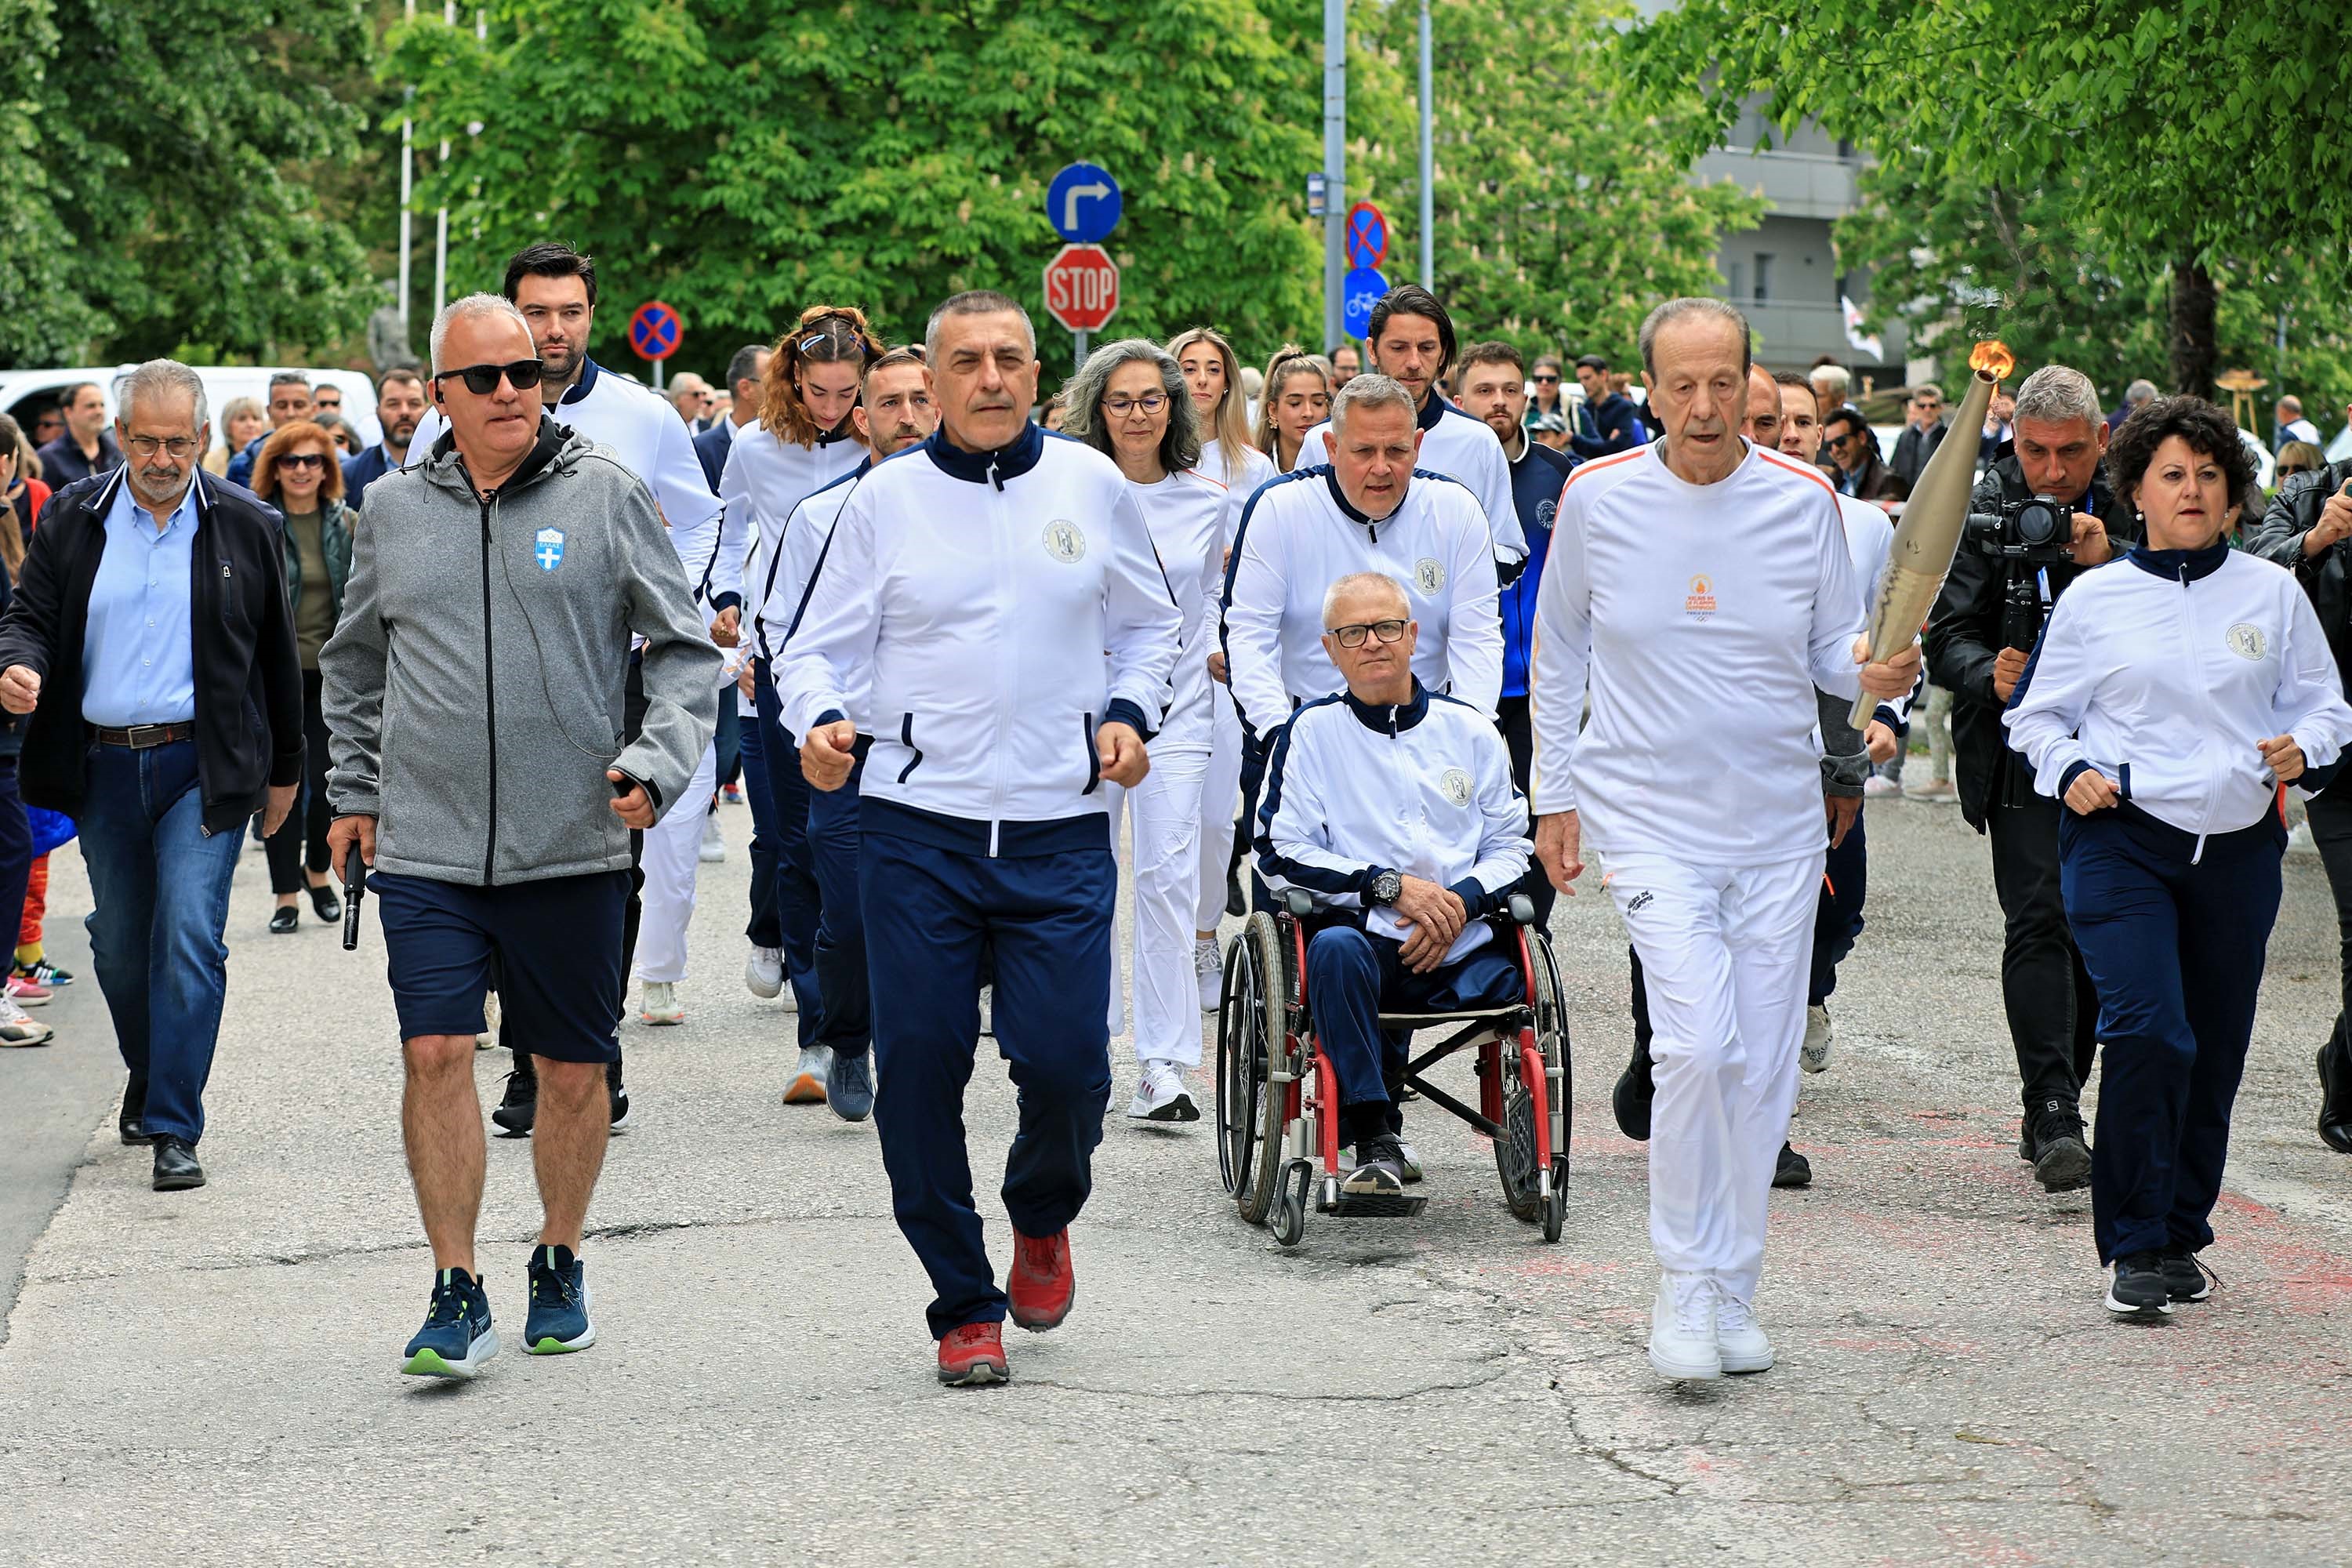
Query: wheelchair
{"points": [[1277, 1096]]}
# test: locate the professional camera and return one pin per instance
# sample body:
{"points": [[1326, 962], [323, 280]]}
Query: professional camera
{"points": [[2038, 530]]}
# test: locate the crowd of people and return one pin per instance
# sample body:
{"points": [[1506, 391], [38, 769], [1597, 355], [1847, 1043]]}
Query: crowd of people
{"points": [[1409, 630]]}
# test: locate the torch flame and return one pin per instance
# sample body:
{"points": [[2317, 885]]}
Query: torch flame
{"points": [[1992, 360]]}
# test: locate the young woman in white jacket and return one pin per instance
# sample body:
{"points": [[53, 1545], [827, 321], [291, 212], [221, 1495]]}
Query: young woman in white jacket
{"points": [[2173, 697]]}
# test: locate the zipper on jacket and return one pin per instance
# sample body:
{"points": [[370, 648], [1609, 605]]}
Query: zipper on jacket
{"points": [[490, 703]]}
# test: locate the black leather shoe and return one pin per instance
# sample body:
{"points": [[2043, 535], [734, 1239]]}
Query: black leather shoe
{"points": [[330, 907], [131, 1121], [175, 1165], [1793, 1168], [1636, 1087], [284, 921], [2061, 1154], [2334, 1098]]}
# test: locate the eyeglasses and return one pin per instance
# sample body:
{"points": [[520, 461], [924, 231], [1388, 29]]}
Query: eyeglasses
{"points": [[481, 380], [300, 461], [148, 446], [1542, 380], [1120, 407], [1353, 636]]}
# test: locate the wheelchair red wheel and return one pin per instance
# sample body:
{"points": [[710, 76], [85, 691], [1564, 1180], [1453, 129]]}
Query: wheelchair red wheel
{"points": [[1552, 1042], [1515, 1150]]}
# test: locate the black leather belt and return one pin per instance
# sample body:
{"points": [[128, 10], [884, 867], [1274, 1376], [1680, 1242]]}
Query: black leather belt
{"points": [[142, 737]]}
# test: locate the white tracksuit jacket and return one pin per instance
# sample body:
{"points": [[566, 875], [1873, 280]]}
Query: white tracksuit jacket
{"points": [[1187, 513], [1423, 789], [998, 606], [1253, 470], [1462, 449], [2164, 669], [1299, 535], [765, 477], [779, 588], [1699, 619], [640, 428]]}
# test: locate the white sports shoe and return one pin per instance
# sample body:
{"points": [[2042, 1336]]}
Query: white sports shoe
{"points": [[1814, 1054], [1209, 969], [1740, 1339], [1160, 1096], [1682, 1328], [763, 971], [18, 1028], [807, 1085], [658, 1002], [714, 843], [1877, 786]]}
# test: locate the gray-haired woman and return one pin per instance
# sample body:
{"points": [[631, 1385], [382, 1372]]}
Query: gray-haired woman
{"points": [[1130, 401]]}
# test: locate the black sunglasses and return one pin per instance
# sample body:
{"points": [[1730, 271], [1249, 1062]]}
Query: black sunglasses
{"points": [[1543, 380], [303, 460], [481, 380]]}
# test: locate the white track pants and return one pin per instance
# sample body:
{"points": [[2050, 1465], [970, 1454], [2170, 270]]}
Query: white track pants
{"points": [[673, 855], [1726, 954], [1221, 795], [1165, 813]]}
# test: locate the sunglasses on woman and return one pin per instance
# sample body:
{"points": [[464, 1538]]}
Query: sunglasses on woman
{"points": [[297, 461], [2286, 469], [481, 380]]}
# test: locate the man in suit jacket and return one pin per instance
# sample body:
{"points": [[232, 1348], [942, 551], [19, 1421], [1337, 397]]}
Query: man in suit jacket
{"points": [[745, 374]]}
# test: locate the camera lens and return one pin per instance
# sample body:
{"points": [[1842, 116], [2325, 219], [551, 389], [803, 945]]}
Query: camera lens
{"points": [[2037, 522]]}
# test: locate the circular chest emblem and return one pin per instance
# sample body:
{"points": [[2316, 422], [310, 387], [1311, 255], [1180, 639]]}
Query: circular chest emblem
{"points": [[1064, 542], [1429, 574], [2246, 640], [1454, 785]]}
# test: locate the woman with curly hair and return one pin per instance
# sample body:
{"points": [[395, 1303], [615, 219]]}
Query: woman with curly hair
{"points": [[802, 442], [2173, 697]]}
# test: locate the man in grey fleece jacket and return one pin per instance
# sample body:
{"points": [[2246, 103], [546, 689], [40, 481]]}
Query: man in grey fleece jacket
{"points": [[473, 698]]}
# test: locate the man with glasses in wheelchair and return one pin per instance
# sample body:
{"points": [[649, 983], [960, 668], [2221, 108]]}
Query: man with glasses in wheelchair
{"points": [[1392, 808]]}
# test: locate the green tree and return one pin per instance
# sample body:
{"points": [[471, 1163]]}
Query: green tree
{"points": [[169, 215], [1563, 211], [2206, 136], [1953, 255], [742, 159]]}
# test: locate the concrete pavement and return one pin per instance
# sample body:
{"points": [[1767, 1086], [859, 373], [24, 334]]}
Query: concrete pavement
{"points": [[210, 1377]]}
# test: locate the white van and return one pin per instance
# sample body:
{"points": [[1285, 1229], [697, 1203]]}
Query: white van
{"points": [[22, 392]]}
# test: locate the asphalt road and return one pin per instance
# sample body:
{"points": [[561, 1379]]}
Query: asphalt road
{"points": [[210, 1377]]}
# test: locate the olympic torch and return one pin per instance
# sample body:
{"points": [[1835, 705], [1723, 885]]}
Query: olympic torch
{"points": [[1929, 534]]}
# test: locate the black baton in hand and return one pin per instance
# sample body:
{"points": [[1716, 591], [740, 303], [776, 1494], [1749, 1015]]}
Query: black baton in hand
{"points": [[354, 890]]}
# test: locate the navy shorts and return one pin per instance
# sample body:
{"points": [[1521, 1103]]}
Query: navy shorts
{"points": [[558, 942]]}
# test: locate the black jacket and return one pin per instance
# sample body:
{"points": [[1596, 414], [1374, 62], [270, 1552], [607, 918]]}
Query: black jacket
{"points": [[1912, 450], [249, 678], [1964, 634], [2294, 513]]}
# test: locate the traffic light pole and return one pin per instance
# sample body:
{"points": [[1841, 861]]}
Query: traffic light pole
{"points": [[1335, 171]]}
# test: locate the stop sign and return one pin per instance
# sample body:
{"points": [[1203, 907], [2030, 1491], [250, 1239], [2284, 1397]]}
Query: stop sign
{"points": [[1082, 288]]}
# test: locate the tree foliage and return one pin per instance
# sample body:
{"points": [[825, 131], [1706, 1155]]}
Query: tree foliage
{"points": [[741, 159], [2202, 139], [156, 200], [1563, 211]]}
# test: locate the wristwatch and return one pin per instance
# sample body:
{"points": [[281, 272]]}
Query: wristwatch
{"points": [[1387, 888]]}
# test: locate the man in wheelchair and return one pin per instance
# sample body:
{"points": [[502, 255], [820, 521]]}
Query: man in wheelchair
{"points": [[1392, 807]]}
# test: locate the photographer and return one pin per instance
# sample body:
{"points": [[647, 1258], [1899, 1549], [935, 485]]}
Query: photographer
{"points": [[1979, 635], [2304, 531]]}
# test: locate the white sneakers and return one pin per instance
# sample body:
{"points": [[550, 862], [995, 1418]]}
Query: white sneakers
{"points": [[763, 972], [1877, 786], [17, 1027], [714, 843], [1814, 1054], [1160, 1096], [1740, 1339], [1700, 1330], [1209, 969], [658, 1002], [807, 1084]]}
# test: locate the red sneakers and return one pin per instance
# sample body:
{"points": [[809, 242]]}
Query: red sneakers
{"points": [[1043, 1286], [973, 1355]]}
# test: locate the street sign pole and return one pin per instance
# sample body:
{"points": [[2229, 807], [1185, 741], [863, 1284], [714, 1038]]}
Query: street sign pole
{"points": [[1079, 342], [1335, 168], [1428, 164], [657, 376]]}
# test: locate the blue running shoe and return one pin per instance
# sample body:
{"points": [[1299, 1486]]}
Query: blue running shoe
{"points": [[456, 1338], [849, 1085], [559, 1304]]}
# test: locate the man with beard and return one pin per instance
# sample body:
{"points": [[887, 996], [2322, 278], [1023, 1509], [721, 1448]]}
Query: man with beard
{"points": [[399, 405]]}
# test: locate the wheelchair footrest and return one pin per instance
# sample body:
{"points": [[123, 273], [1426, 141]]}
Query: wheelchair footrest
{"points": [[1366, 1206]]}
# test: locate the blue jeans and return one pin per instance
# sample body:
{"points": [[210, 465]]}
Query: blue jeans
{"points": [[797, 897], [161, 886], [763, 929]]}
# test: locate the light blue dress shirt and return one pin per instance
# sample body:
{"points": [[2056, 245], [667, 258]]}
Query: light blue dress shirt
{"points": [[138, 649]]}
